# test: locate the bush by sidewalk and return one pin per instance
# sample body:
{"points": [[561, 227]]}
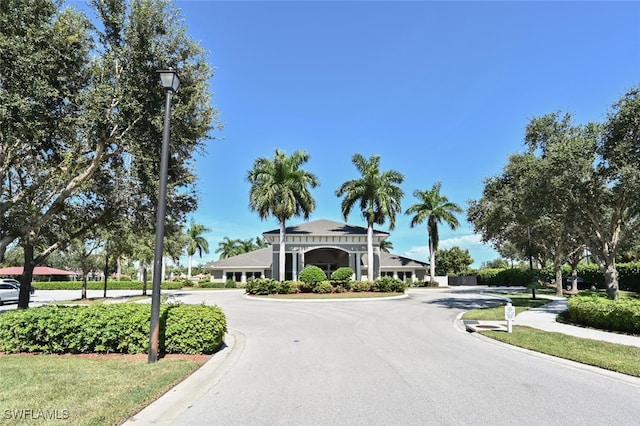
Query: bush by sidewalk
{"points": [[600, 312], [111, 328]]}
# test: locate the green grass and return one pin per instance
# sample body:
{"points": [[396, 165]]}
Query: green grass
{"points": [[85, 390], [520, 301], [620, 358], [350, 295]]}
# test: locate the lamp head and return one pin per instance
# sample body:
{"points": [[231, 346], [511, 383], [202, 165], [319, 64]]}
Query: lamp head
{"points": [[169, 79]]}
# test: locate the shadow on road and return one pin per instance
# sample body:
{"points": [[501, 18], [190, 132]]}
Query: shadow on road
{"points": [[464, 303]]}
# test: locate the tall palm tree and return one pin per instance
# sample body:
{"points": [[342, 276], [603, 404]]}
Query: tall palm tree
{"points": [[434, 208], [386, 246], [196, 243], [280, 187], [377, 194], [227, 248]]}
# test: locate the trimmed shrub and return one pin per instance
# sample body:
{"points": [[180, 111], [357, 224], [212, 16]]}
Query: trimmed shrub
{"points": [[287, 287], [311, 274], [342, 275], [600, 312], [323, 287], [426, 283], [212, 285], [388, 284], [360, 286], [261, 286], [505, 277], [120, 328], [230, 284], [194, 329]]}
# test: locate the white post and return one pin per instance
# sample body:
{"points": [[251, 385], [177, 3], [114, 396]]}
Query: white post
{"points": [[509, 315]]}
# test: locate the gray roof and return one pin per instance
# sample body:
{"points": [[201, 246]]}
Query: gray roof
{"points": [[390, 260], [260, 258], [324, 227]]}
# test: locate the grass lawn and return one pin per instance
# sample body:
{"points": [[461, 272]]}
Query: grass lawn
{"points": [[85, 389], [521, 301], [621, 358]]}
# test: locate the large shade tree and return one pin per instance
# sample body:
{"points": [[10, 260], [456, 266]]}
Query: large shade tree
{"points": [[378, 196], [280, 187], [575, 186], [434, 208], [81, 122]]}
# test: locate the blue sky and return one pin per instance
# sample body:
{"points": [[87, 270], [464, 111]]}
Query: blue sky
{"points": [[442, 91]]}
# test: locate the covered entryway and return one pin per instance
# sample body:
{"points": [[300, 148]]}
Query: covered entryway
{"points": [[327, 259]]}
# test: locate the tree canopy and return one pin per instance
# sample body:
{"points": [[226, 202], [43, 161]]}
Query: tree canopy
{"points": [[377, 193], [574, 186], [280, 187], [434, 208], [81, 120]]}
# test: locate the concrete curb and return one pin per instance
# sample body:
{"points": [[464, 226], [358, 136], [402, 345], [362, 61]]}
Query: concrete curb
{"points": [[180, 398]]}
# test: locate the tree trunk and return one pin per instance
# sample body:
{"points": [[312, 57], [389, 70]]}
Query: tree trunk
{"points": [[558, 271], [610, 278], [118, 268], [144, 280], [282, 255], [370, 252], [574, 277], [83, 293], [189, 267], [27, 277], [106, 272], [432, 261]]}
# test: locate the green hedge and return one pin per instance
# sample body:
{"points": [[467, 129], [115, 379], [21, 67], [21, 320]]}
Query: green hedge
{"points": [[194, 329], [108, 328], [600, 312], [628, 276], [504, 277], [266, 286], [99, 285]]}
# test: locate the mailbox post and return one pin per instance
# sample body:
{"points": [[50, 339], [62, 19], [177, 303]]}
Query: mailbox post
{"points": [[509, 315]]}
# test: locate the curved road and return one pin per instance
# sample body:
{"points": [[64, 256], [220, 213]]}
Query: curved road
{"points": [[394, 362]]}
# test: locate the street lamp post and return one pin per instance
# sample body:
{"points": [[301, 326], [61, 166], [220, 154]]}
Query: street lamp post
{"points": [[170, 82]]}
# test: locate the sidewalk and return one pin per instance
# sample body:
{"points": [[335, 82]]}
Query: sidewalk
{"points": [[544, 318]]}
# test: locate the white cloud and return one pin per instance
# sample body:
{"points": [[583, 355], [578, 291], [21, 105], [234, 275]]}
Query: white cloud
{"points": [[463, 242]]}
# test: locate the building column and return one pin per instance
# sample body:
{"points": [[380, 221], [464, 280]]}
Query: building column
{"points": [[243, 277], [294, 265], [358, 267]]}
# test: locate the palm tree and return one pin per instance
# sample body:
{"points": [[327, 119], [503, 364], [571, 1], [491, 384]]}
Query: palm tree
{"points": [[434, 208], [279, 187], [378, 195], [227, 248], [196, 243], [386, 246]]}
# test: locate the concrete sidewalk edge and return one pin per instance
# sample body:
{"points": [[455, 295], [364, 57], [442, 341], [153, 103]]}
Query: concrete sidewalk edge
{"points": [[182, 396]]}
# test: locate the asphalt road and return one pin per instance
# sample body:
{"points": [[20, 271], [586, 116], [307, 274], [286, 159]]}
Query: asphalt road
{"points": [[395, 362], [390, 362]]}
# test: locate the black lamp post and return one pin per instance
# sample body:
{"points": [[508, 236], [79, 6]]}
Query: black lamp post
{"points": [[170, 82]]}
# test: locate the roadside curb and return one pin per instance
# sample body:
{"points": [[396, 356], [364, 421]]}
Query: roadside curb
{"points": [[164, 410]]}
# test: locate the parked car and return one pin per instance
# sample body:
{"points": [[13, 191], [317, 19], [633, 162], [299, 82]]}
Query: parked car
{"points": [[582, 284], [16, 283], [9, 293]]}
